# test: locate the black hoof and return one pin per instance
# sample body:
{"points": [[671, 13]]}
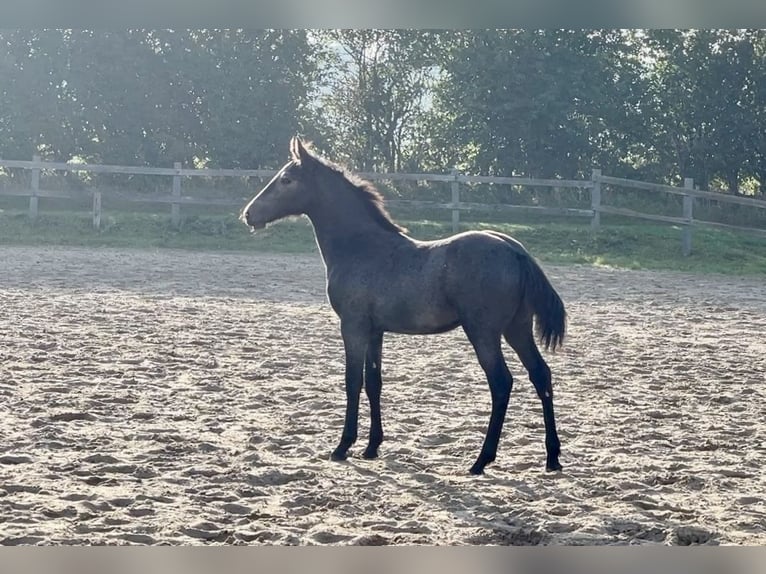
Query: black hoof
{"points": [[370, 453], [553, 467], [482, 461], [339, 455]]}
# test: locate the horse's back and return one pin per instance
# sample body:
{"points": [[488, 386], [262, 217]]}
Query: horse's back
{"points": [[482, 254], [478, 241]]}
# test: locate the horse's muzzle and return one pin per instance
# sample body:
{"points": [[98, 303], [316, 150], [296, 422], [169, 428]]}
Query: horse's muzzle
{"points": [[247, 218]]}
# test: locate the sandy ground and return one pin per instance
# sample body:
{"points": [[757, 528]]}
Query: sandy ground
{"points": [[184, 398]]}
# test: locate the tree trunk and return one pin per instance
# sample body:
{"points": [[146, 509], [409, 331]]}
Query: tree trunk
{"points": [[761, 177], [732, 180]]}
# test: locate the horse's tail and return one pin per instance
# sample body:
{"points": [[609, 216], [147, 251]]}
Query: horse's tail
{"points": [[547, 307]]}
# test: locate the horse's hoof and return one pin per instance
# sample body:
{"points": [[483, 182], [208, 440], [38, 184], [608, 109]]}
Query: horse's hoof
{"points": [[370, 453], [338, 455], [477, 469], [554, 467]]}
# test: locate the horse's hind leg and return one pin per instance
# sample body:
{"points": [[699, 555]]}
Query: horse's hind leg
{"points": [[487, 347], [372, 386], [523, 342]]}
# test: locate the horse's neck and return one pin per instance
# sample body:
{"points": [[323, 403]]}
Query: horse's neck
{"points": [[338, 231]]}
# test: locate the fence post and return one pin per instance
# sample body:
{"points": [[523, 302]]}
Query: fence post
{"points": [[35, 189], [688, 206], [96, 209], [595, 199], [455, 186], [175, 208]]}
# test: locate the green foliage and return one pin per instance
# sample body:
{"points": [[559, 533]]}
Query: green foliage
{"points": [[705, 87], [376, 82], [658, 105], [153, 97], [539, 103]]}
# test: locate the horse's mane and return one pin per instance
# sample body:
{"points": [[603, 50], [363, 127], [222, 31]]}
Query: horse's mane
{"points": [[371, 198]]}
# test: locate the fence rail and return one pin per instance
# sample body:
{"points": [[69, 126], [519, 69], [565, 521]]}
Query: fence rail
{"points": [[595, 186], [715, 196]]}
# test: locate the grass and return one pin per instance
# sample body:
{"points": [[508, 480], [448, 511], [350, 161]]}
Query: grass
{"points": [[619, 244]]}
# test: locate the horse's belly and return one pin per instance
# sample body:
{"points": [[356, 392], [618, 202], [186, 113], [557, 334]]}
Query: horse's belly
{"points": [[408, 318]]}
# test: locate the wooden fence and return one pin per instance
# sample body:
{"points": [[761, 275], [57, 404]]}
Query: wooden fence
{"points": [[175, 198]]}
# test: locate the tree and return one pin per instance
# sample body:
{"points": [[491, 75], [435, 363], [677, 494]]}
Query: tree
{"points": [[377, 83], [34, 117], [252, 90], [539, 103], [757, 142], [704, 106]]}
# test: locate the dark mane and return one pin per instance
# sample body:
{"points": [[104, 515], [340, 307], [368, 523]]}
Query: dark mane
{"points": [[373, 201], [371, 198]]}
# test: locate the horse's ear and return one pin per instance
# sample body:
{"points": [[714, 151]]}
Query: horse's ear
{"points": [[303, 156], [294, 148]]}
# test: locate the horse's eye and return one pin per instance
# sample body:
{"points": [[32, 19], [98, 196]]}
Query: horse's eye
{"points": [[285, 180]]}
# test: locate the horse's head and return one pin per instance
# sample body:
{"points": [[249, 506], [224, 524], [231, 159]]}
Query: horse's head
{"points": [[288, 192]]}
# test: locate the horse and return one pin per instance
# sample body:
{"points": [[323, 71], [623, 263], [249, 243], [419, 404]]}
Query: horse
{"points": [[381, 280]]}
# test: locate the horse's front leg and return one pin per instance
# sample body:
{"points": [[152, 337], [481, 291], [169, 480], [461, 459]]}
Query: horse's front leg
{"points": [[355, 341], [372, 386]]}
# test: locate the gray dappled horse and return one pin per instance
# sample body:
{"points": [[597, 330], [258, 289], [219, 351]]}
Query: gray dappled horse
{"points": [[379, 279]]}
